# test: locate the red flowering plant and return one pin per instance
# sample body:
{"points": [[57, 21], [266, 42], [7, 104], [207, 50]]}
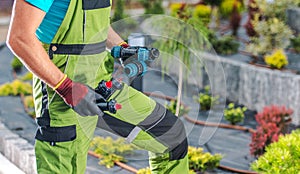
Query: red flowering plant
{"points": [[272, 122]]}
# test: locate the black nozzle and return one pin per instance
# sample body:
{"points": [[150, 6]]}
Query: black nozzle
{"points": [[154, 53]]}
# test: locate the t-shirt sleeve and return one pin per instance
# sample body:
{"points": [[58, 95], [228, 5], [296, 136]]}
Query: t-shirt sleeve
{"points": [[41, 4]]}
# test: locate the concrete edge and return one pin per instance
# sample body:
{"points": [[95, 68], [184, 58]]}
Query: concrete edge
{"points": [[6, 167], [18, 151]]}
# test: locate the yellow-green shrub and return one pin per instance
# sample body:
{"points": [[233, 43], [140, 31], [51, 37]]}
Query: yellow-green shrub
{"points": [[202, 161], [226, 7], [234, 115], [144, 171], [110, 150], [202, 12], [276, 60], [172, 107], [29, 103], [175, 7], [14, 88], [282, 156], [26, 77], [16, 64], [148, 171], [192, 172], [205, 99], [28, 100]]}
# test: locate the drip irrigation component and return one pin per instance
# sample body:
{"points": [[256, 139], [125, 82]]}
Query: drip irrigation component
{"points": [[227, 126], [236, 170]]}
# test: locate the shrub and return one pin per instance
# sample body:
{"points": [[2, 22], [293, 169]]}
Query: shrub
{"points": [[28, 100], [14, 88], [144, 171], [16, 64], [227, 7], [201, 161], [234, 115], [214, 2], [205, 99], [276, 8], [276, 60], [152, 7], [119, 11], [271, 123], [202, 12], [253, 12], [175, 8], [280, 157], [225, 45], [275, 114], [26, 77], [273, 35], [235, 19], [250, 28], [148, 171], [110, 150], [269, 24], [29, 104], [296, 43], [172, 107]]}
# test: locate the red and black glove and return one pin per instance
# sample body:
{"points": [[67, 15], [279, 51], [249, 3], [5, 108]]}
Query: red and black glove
{"points": [[81, 98]]}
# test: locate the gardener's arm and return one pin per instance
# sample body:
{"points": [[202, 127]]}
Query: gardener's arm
{"points": [[113, 38], [24, 43]]}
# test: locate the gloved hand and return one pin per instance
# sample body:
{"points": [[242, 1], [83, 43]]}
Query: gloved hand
{"points": [[81, 98]]}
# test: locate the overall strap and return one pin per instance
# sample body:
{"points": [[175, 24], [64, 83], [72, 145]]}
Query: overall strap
{"points": [[77, 49], [86, 22]]}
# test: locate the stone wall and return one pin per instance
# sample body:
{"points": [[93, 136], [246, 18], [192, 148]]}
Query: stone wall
{"points": [[17, 150], [255, 87], [293, 15]]}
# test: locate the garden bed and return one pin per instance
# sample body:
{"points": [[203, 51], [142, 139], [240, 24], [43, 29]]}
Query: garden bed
{"points": [[222, 140]]}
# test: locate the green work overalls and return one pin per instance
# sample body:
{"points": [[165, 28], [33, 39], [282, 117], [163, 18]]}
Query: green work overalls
{"points": [[63, 137]]}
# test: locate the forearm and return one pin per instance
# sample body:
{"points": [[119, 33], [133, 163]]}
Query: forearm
{"points": [[113, 38], [31, 52], [23, 42]]}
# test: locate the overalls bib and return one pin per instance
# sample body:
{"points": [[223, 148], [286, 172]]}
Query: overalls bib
{"points": [[63, 138]]}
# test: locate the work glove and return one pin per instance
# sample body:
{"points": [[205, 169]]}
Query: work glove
{"points": [[81, 98]]}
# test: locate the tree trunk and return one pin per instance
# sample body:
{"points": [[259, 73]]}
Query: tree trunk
{"points": [[179, 89]]}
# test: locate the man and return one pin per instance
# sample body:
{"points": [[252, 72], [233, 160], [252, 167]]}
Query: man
{"points": [[62, 42]]}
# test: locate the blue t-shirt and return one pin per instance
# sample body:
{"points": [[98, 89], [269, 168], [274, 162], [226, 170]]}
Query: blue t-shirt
{"points": [[55, 13]]}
